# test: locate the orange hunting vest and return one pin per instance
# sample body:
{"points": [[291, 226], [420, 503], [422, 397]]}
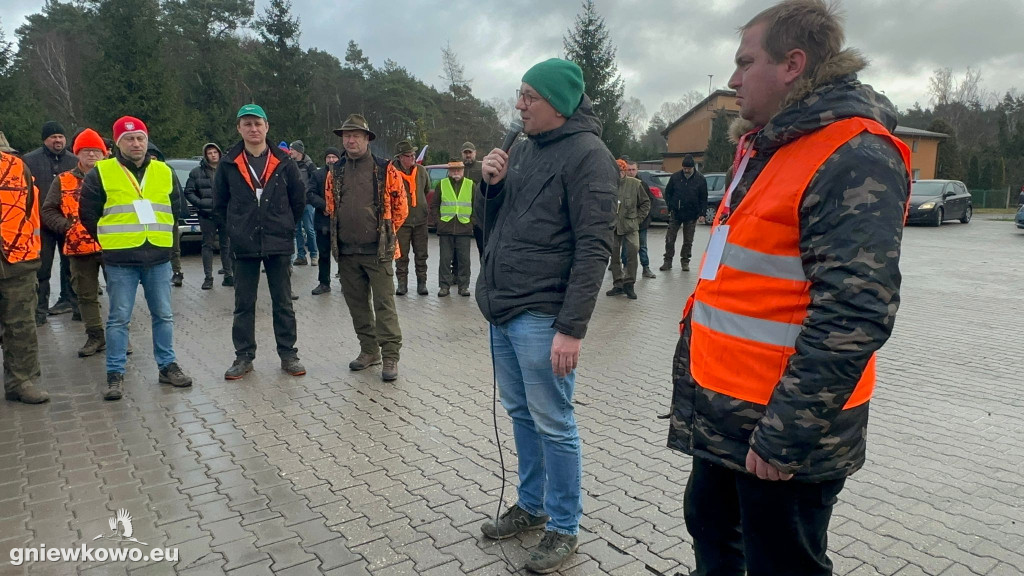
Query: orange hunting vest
{"points": [[746, 321], [77, 242], [19, 212]]}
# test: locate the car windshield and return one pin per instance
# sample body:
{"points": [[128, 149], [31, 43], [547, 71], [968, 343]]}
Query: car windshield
{"points": [[716, 182], [660, 179], [924, 188]]}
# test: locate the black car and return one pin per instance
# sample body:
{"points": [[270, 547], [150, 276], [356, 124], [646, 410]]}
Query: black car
{"points": [[656, 180], [1020, 217], [716, 191], [934, 201], [188, 227]]}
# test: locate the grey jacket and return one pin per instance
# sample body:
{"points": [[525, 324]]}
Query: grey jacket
{"points": [[548, 226]]}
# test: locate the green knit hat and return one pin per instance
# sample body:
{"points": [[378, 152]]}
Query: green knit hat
{"points": [[558, 81]]}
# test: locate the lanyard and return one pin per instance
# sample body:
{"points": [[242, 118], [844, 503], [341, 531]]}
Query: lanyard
{"points": [[259, 181], [135, 183], [737, 176]]}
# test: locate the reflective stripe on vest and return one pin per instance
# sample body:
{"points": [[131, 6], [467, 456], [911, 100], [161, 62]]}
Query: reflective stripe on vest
{"points": [[19, 221], [119, 227], [452, 205], [77, 240], [745, 322]]}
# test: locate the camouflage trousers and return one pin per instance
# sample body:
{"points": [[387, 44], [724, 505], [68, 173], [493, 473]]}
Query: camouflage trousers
{"points": [[17, 321]]}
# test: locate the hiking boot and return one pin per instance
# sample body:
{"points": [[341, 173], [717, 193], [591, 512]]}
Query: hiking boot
{"points": [[554, 549], [363, 361], [512, 522], [93, 344], [421, 287], [321, 289], [115, 382], [207, 284], [666, 266], [389, 372], [292, 366], [61, 307], [239, 368], [463, 291], [648, 273], [172, 374], [177, 279], [300, 261], [229, 280], [444, 291], [403, 287], [684, 265], [314, 260], [615, 291], [628, 289], [28, 394]]}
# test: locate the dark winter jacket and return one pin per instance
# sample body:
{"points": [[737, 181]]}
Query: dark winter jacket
{"points": [[265, 227], [686, 198], [94, 199], [851, 225], [45, 166], [199, 188], [307, 169], [452, 227], [549, 226], [646, 223], [315, 198]]}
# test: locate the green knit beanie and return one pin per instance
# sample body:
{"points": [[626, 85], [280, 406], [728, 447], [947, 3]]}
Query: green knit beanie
{"points": [[558, 81]]}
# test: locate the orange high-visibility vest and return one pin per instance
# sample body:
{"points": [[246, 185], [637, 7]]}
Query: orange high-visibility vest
{"points": [[78, 241], [746, 321], [19, 212]]}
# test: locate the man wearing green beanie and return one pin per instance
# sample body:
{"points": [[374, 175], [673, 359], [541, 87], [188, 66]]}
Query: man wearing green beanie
{"points": [[547, 208]]}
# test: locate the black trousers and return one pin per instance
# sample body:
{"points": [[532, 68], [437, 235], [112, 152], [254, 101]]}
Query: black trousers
{"points": [[745, 526], [323, 247], [247, 283], [51, 243], [478, 235], [209, 227], [455, 259], [689, 227]]}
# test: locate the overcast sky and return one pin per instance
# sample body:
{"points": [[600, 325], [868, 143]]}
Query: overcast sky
{"points": [[665, 48]]}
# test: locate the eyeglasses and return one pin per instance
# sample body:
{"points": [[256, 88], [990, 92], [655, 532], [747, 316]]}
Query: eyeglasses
{"points": [[526, 97]]}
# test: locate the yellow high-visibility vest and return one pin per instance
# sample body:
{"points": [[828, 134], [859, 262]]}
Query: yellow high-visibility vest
{"points": [[119, 227], [452, 205]]}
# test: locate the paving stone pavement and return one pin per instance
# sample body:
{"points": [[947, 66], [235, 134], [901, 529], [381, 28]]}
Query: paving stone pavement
{"points": [[338, 473]]}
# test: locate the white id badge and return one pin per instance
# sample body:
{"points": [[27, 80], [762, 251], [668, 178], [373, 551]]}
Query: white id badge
{"points": [[713, 255], [259, 194], [144, 210]]}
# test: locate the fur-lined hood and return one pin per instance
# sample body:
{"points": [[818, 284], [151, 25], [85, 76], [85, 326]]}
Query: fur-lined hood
{"points": [[834, 93]]}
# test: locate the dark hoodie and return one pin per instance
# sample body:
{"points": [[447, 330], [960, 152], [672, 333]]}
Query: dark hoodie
{"points": [[851, 225], [548, 226]]}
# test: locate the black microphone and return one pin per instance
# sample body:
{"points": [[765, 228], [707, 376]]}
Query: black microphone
{"points": [[514, 130]]}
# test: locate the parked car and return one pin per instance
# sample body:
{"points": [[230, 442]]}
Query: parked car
{"points": [[1020, 217], [934, 201], [716, 191], [656, 180], [188, 227], [436, 172]]}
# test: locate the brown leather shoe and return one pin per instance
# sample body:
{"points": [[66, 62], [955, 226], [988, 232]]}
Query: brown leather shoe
{"points": [[390, 371], [27, 393], [363, 361]]}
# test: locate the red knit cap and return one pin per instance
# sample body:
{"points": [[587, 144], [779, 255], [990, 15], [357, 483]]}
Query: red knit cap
{"points": [[128, 125], [89, 138]]}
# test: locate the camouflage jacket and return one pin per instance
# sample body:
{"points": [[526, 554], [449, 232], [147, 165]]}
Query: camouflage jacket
{"points": [[851, 225]]}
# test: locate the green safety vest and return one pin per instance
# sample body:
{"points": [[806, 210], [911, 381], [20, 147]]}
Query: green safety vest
{"points": [[119, 227], [452, 205]]}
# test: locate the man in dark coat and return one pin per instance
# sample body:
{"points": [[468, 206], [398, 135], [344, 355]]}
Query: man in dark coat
{"points": [[305, 235], [45, 163], [199, 192], [259, 194], [322, 220], [550, 203], [687, 198]]}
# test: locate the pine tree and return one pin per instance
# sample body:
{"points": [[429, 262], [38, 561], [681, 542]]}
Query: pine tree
{"points": [[589, 45], [973, 173], [719, 154], [948, 165], [281, 76]]}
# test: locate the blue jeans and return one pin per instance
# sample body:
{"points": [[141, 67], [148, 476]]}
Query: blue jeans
{"points": [[305, 235], [543, 423], [645, 261], [122, 286]]}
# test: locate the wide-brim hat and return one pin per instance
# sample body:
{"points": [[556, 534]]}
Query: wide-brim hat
{"points": [[404, 147], [455, 164], [355, 122]]}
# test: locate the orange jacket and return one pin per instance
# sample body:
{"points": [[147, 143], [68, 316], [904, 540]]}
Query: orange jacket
{"points": [[746, 321], [19, 212]]}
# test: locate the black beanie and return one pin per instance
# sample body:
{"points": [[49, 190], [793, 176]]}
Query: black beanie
{"points": [[52, 127], [333, 150]]}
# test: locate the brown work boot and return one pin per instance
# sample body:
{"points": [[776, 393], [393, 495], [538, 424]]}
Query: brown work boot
{"points": [[390, 371], [27, 393], [666, 266], [403, 286], [421, 286], [93, 344], [363, 361]]}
